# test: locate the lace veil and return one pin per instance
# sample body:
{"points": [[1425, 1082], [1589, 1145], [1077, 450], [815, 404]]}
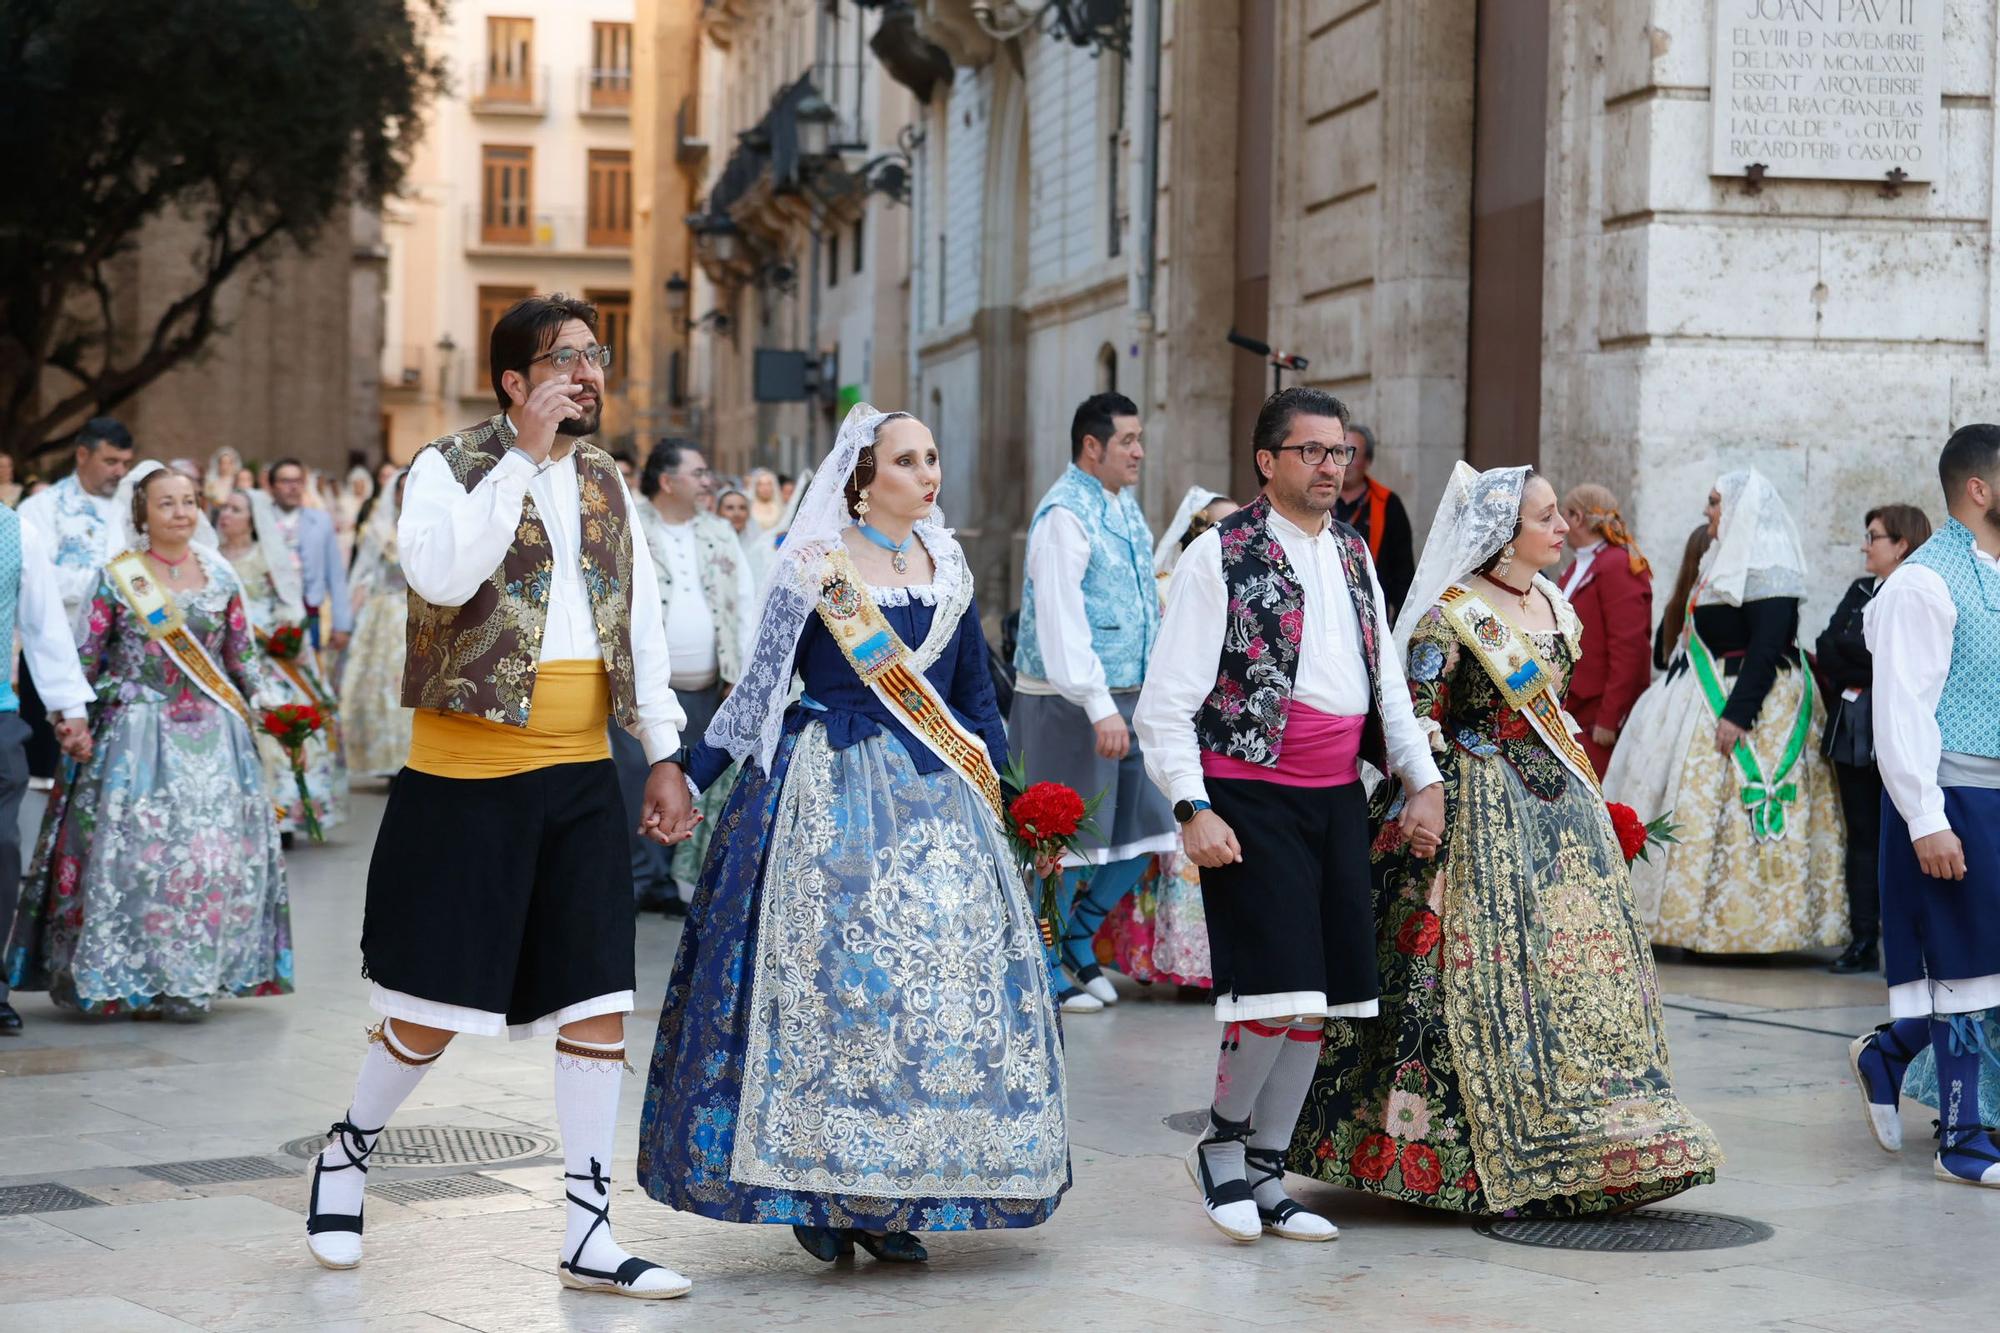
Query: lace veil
{"points": [[1167, 551], [278, 557], [129, 536], [1476, 517], [1756, 552], [751, 720]]}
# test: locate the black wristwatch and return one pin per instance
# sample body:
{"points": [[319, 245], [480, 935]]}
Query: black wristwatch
{"points": [[1186, 810], [679, 757]]}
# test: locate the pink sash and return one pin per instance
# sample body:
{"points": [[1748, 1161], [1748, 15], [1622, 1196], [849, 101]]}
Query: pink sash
{"points": [[1320, 750]]}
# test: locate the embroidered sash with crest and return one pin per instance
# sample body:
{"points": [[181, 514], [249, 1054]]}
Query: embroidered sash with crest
{"points": [[147, 599], [1525, 682], [882, 660]]}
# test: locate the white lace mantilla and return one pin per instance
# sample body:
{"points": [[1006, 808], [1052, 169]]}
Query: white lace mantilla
{"points": [[902, 1041]]}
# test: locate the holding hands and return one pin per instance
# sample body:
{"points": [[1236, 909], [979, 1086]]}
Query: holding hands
{"points": [[1422, 821], [669, 815]]}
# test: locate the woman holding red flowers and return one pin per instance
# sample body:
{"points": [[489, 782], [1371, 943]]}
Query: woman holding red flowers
{"points": [[1519, 1064], [158, 884]]}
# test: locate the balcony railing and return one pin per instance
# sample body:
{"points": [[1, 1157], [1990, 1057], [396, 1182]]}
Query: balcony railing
{"points": [[604, 92], [516, 92], [541, 231], [403, 367]]}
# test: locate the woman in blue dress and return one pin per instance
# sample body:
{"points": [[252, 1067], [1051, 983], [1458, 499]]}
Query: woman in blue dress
{"points": [[859, 1038]]}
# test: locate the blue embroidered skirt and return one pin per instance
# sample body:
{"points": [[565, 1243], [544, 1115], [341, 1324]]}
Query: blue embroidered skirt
{"points": [[859, 1030]]}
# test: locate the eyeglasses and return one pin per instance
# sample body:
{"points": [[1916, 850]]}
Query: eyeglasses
{"points": [[565, 358], [1874, 537], [1312, 455]]}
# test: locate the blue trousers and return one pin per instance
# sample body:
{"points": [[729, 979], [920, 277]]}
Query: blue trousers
{"points": [[1088, 895]]}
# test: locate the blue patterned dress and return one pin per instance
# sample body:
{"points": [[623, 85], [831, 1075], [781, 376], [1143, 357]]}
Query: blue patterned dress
{"points": [[859, 1030]]}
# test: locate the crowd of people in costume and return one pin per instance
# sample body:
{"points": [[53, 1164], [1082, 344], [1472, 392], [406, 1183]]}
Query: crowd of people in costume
{"points": [[1371, 804]]}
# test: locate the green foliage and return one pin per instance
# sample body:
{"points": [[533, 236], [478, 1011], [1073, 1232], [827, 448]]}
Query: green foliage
{"points": [[257, 119]]}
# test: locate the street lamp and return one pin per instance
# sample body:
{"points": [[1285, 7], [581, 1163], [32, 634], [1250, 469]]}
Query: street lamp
{"points": [[677, 295], [815, 125], [722, 240]]}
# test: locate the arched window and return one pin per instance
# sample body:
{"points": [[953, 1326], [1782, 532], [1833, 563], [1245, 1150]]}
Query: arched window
{"points": [[1107, 369]]}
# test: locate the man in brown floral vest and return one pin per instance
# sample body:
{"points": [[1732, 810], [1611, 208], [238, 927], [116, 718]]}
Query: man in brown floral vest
{"points": [[500, 893], [1268, 687]]}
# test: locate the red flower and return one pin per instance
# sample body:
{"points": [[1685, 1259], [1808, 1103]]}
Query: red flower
{"points": [[1630, 828], [1512, 725], [1323, 1149], [1421, 1172], [1469, 1182], [1390, 838], [1045, 811], [1292, 624], [1419, 933], [1373, 1157]]}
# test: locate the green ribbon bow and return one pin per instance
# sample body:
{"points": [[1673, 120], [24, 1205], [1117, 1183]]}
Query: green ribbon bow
{"points": [[1764, 800]]}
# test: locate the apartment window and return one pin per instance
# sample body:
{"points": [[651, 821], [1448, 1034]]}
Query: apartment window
{"points": [[833, 259], [510, 54], [507, 194], [610, 64], [614, 328], [493, 303], [610, 194], [858, 224]]}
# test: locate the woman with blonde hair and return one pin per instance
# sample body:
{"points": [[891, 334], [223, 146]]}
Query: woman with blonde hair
{"points": [[1611, 587]]}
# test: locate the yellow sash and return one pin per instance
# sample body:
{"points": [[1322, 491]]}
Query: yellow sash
{"points": [[148, 599], [1525, 682], [882, 660]]}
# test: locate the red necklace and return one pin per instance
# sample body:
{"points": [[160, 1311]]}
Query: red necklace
{"points": [[1520, 593], [170, 563]]}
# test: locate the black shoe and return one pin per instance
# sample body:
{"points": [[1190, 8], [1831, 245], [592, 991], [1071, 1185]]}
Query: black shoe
{"points": [[10, 1022], [673, 907], [285, 841], [1860, 957], [653, 901]]}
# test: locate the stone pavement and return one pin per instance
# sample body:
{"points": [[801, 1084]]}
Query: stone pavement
{"points": [[1861, 1241]]}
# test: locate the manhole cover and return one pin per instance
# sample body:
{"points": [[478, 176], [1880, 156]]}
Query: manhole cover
{"points": [[1650, 1230], [218, 1170], [1187, 1122], [44, 1197], [442, 1187], [441, 1145]]}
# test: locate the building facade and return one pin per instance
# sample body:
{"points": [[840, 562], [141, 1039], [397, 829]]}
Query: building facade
{"points": [[524, 183]]}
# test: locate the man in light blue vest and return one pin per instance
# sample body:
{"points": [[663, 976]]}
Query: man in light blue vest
{"points": [[31, 604], [1090, 611], [1934, 630]]}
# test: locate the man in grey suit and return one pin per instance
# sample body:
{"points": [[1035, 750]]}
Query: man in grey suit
{"points": [[309, 534]]}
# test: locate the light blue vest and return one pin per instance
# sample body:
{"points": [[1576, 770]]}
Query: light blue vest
{"points": [[1968, 715], [10, 597], [1118, 588]]}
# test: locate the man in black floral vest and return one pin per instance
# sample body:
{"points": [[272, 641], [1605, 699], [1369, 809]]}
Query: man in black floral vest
{"points": [[1268, 687]]}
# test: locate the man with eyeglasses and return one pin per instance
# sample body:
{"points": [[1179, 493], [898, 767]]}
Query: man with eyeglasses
{"points": [[707, 600], [309, 536], [1275, 675], [500, 893]]}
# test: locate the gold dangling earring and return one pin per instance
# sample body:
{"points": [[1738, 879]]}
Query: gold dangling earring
{"points": [[1506, 560], [861, 506]]}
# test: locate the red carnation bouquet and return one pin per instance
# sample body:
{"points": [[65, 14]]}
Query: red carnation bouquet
{"points": [[1637, 837], [285, 642], [1044, 823], [293, 725]]}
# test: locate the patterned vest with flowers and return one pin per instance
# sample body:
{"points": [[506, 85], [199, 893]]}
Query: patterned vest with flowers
{"points": [[1244, 716], [1968, 712], [480, 658], [1119, 591]]}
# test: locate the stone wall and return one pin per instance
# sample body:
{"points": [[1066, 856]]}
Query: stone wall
{"points": [[1822, 332]]}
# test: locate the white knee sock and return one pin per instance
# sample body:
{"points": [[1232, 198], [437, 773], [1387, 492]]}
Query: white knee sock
{"points": [[390, 1072], [1279, 1101], [588, 1077], [1248, 1052]]}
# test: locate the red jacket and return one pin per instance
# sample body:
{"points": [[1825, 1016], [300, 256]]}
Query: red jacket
{"points": [[1616, 607]]}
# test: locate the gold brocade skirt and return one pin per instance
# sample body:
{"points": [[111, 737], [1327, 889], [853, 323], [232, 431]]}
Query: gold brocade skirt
{"points": [[1720, 890], [567, 724]]}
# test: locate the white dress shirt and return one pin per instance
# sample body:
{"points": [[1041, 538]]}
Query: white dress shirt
{"points": [[43, 623], [1331, 677], [1909, 628], [451, 540], [1579, 568], [690, 620], [78, 546], [1058, 559]]}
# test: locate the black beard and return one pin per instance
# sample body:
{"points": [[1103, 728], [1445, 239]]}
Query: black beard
{"points": [[1993, 517], [581, 426]]}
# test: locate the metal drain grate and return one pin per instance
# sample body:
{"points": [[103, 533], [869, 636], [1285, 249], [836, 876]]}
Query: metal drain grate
{"points": [[443, 1187], [43, 1197], [1650, 1230], [218, 1170], [1187, 1122], [441, 1145]]}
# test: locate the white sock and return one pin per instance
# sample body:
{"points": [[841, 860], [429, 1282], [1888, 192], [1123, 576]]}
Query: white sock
{"points": [[385, 1082], [1248, 1050], [588, 1077], [1279, 1101]]}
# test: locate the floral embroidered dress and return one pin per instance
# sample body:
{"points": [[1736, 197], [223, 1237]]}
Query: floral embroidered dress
{"points": [[859, 1030], [157, 883], [1519, 1064], [375, 727], [295, 682]]}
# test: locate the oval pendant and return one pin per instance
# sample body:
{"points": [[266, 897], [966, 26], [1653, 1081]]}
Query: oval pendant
{"points": [[902, 565]]}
